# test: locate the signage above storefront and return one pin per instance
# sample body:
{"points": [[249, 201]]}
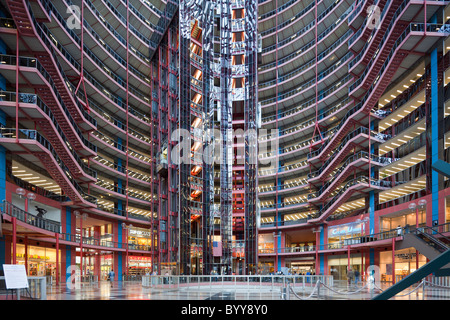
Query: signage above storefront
{"points": [[344, 230], [139, 233]]}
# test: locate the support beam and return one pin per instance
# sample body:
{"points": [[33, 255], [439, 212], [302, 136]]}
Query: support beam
{"points": [[441, 167], [415, 277]]}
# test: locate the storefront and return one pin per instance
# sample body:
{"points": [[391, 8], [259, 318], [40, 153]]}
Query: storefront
{"points": [[40, 261], [406, 262], [338, 265], [139, 265], [301, 266]]}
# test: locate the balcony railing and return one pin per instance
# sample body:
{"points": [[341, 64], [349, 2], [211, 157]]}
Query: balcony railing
{"points": [[34, 63], [103, 243], [352, 158], [34, 135], [34, 99], [32, 220]]}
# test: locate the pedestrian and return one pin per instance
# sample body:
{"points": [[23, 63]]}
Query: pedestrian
{"points": [[350, 276], [357, 276], [399, 231], [111, 276]]}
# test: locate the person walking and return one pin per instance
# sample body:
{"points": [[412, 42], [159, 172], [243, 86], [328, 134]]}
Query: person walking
{"points": [[350, 276], [111, 276], [357, 276]]}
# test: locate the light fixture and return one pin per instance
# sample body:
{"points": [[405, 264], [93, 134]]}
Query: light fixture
{"points": [[31, 196], [21, 192]]}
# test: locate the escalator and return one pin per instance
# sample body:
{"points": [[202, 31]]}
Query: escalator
{"points": [[431, 243]]}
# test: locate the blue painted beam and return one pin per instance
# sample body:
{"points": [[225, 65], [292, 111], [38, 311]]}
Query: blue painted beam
{"points": [[441, 167], [415, 277]]}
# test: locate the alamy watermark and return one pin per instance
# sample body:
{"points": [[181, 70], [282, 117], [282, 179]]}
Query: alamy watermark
{"points": [[373, 17], [232, 146], [74, 20]]}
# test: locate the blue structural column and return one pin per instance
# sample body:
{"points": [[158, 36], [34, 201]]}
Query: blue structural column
{"points": [[68, 256], [321, 255], [2, 160], [119, 181], [120, 207], [434, 134], [372, 202]]}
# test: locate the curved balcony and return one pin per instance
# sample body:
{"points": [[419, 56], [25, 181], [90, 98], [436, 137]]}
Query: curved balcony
{"points": [[115, 213], [322, 77], [29, 26], [285, 24], [289, 115], [305, 128], [98, 65], [285, 206], [29, 219], [118, 126], [138, 78], [48, 123], [116, 192], [279, 9], [361, 184], [288, 170], [44, 83], [135, 117], [303, 50], [361, 160], [150, 7], [115, 148], [411, 36], [355, 138], [120, 171], [301, 33], [283, 189], [38, 147], [112, 19], [35, 189], [299, 93], [116, 82], [137, 18], [93, 243], [140, 60]]}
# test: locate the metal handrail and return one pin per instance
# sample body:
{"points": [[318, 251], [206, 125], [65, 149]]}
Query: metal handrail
{"points": [[28, 218]]}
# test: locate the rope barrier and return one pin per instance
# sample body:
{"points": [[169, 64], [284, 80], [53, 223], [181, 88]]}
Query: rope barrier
{"points": [[346, 292], [413, 290], [309, 297], [319, 283], [436, 285]]}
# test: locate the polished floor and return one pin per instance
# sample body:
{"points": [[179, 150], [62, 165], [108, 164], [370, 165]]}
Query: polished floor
{"points": [[134, 291]]}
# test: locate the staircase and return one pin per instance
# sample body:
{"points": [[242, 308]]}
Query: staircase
{"points": [[429, 242], [19, 13], [435, 248]]}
